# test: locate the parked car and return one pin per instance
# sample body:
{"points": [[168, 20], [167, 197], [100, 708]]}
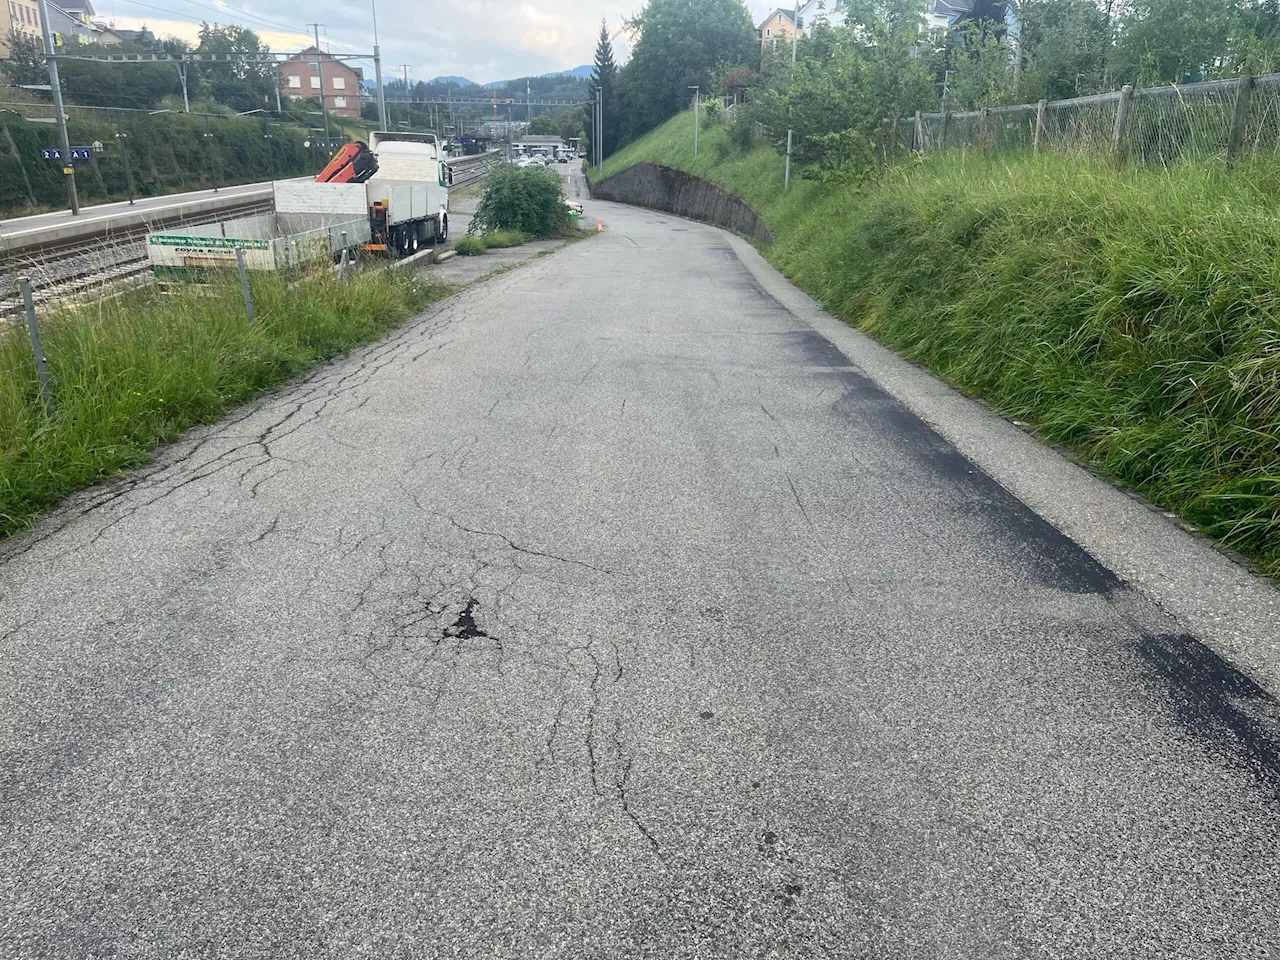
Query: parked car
{"points": [[563, 158]]}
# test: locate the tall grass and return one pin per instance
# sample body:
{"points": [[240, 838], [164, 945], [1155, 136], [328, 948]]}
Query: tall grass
{"points": [[137, 370], [1133, 315]]}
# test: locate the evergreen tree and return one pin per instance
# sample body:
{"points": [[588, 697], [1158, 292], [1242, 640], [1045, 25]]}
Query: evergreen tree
{"points": [[604, 77]]}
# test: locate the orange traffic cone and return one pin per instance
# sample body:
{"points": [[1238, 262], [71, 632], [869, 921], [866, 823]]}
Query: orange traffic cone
{"points": [[599, 225]]}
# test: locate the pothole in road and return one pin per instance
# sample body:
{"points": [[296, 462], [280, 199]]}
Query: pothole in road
{"points": [[464, 626]]}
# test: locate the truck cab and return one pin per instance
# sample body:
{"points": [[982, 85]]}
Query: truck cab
{"points": [[408, 196]]}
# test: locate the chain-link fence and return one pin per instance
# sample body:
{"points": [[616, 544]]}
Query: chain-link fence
{"points": [[1198, 121]]}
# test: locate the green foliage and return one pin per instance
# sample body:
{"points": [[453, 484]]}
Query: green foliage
{"points": [[167, 153], [25, 63], [543, 125], [528, 200], [500, 239], [137, 370], [469, 247], [1133, 315], [604, 83], [846, 156], [843, 85], [682, 44], [239, 85]]}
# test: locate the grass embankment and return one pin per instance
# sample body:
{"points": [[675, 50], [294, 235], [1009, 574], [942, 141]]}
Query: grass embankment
{"points": [[137, 370], [473, 246], [1134, 316]]}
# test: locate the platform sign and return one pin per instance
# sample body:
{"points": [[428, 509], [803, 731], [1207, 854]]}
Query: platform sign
{"points": [[77, 153]]}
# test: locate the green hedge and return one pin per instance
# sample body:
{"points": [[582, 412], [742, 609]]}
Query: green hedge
{"points": [[168, 153]]}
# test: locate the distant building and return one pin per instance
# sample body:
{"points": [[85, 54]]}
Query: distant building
{"points": [[501, 129], [550, 145], [339, 84], [778, 27], [71, 21], [18, 16]]}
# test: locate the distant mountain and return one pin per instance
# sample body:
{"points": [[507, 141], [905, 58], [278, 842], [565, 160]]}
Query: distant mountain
{"points": [[581, 73], [460, 81], [577, 73]]}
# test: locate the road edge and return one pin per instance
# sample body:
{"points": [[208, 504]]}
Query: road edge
{"points": [[1222, 603]]}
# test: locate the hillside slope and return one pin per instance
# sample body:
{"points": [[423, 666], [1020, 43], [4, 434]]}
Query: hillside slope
{"points": [[1134, 316]]}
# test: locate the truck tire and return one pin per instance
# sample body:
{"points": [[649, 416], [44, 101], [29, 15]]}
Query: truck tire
{"points": [[442, 229]]}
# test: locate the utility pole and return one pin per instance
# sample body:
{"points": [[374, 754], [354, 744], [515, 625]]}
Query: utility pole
{"points": [[320, 76], [377, 68], [68, 168], [795, 36], [599, 127], [182, 75], [279, 109], [408, 109]]}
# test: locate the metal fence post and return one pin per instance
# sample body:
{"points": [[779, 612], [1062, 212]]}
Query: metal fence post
{"points": [[1040, 109], [244, 284], [42, 368], [1244, 97], [983, 126], [1118, 142], [919, 133], [342, 266], [946, 126]]}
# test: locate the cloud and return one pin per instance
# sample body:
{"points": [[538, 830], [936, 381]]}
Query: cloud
{"points": [[481, 39]]}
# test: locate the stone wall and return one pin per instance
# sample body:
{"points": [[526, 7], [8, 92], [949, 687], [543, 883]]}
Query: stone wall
{"points": [[662, 188]]}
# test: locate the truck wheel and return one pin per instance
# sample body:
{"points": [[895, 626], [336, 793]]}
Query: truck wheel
{"points": [[411, 240], [442, 232]]}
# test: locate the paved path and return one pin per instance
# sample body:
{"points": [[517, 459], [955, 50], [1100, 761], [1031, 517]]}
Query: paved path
{"points": [[608, 612]]}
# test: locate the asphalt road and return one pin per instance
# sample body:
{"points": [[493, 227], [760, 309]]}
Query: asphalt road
{"points": [[608, 611]]}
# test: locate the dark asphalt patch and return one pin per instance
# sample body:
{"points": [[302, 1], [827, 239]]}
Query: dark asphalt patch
{"points": [[1220, 706]]}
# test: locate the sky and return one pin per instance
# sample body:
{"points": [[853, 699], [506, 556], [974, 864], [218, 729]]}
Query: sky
{"points": [[482, 40]]}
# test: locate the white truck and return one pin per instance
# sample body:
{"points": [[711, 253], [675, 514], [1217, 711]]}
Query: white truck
{"points": [[400, 206], [406, 199]]}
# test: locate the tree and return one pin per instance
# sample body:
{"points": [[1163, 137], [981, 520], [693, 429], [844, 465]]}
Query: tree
{"points": [[543, 126], [26, 60], [1173, 41], [604, 78], [1065, 45], [683, 43], [240, 85]]}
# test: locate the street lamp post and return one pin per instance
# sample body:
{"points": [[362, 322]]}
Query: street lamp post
{"points": [[68, 168], [377, 69], [795, 35], [697, 101]]}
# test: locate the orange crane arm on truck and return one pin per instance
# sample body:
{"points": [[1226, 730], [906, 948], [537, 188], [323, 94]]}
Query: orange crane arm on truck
{"points": [[354, 163]]}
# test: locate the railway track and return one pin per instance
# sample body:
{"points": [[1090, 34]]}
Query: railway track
{"points": [[62, 271]]}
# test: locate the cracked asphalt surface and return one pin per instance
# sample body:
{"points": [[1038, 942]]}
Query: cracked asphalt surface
{"points": [[607, 610]]}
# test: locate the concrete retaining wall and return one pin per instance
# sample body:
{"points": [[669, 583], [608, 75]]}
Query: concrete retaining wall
{"points": [[662, 188]]}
